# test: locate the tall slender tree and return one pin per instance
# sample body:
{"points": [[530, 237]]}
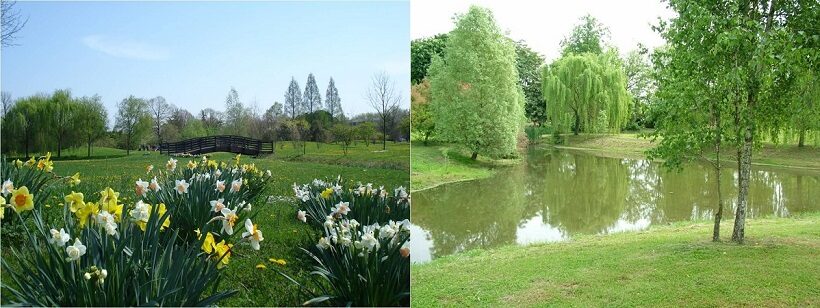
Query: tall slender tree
{"points": [[333, 101], [312, 100], [384, 98], [476, 96], [293, 99]]}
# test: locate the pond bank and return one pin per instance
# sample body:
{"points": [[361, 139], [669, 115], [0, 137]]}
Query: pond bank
{"points": [[436, 165], [674, 265]]}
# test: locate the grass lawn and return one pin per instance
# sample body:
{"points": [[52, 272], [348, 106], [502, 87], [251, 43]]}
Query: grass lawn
{"points": [[672, 266], [434, 165], [283, 233], [397, 155], [788, 155]]}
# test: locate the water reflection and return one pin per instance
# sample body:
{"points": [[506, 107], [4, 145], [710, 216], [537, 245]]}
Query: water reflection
{"points": [[556, 194]]}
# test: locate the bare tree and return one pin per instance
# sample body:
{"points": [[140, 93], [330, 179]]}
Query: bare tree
{"points": [[7, 102], [161, 111], [12, 22], [383, 97]]}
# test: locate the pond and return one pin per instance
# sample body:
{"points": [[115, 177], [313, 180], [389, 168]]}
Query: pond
{"points": [[556, 194]]}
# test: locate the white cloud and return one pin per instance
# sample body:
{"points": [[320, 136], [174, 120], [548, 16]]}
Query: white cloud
{"points": [[544, 23], [125, 48]]}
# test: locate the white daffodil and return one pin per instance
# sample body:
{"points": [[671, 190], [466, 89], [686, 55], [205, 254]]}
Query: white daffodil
{"points": [[301, 215], [105, 219], [329, 221], [59, 237], [218, 173], [217, 205], [141, 188], [236, 185], [369, 242], [154, 185], [229, 220], [401, 192], [337, 188], [181, 186], [220, 186], [8, 186], [171, 165], [324, 243], [253, 234], [342, 208], [140, 212], [268, 173], [75, 251]]}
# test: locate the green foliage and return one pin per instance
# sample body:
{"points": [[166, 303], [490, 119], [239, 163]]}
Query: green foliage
{"points": [[333, 101], [344, 134], [641, 85], [367, 204], [132, 121], [422, 52], [529, 63], [366, 132], [589, 36], [422, 119], [476, 98], [579, 87], [312, 100]]}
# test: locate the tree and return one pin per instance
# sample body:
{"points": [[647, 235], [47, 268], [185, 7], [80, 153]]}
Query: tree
{"points": [[312, 100], [528, 63], [383, 97], [211, 121], [7, 102], [20, 122], [160, 112], [132, 120], [293, 99], [744, 49], [589, 36], [272, 119], [12, 22], [333, 101], [421, 54], [235, 114], [344, 134], [477, 100], [366, 131], [640, 85], [62, 109], [319, 123], [92, 119], [587, 91], [422, 119]]}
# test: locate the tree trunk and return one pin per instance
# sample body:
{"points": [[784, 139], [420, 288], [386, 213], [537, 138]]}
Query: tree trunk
{"points": [[577, 127], [743, 186], [128, 144], [801, 140], [89, 146], [59, 146], [719, 212], [474, 156]]}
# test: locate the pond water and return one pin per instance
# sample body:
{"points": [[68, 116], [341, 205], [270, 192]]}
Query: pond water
{"points": [[556, 194]]}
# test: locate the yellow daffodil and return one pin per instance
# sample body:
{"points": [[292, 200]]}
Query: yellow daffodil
{"points": [[31, 162], [45, 163], [86, 211], [75, 201], [221, 250], [109, 197], [144, 210], [18, 163], [261, 266], [212, 164], [191, 165], [2, 207], [74, 179], [149, 168], [22, 200], [208, 244], [327, 193], [236, 159]]}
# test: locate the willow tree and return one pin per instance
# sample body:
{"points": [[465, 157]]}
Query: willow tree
{"points": [[476, 98], [586, 91]]}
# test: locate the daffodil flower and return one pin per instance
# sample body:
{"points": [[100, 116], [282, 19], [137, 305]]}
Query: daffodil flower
{"points": [[74, 201], [253, 234], [236, 185], [301, 215], [191, 165], [208, 244], [22, 200], [171, 165], [86, 211], [218, 173], [59, 237], [149, 168], [181, 186], [217, 205], [141, 187], [229, 220], [75, 251], [74, 179], [154, 185], [8, 187], [342, 208], [223, 251], [220, 186]]}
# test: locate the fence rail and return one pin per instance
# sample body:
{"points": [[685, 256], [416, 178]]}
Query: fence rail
{"points": [[222, 143]]}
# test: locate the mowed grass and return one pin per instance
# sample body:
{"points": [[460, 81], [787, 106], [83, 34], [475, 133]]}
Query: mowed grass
{"points": [[360, 154], [667, 266], [284, 235], [435, 165]]}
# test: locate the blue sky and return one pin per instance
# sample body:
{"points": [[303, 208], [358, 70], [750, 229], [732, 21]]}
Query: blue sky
{"points": [[191, 53]]}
